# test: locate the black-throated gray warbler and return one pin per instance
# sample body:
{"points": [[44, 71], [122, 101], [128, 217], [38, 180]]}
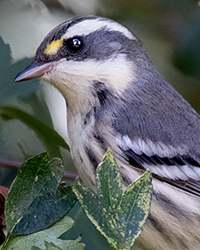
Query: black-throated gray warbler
{"points": [[116, 98]]}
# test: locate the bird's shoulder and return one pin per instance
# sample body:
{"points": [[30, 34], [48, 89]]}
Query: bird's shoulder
{"points": [[155, 128]]}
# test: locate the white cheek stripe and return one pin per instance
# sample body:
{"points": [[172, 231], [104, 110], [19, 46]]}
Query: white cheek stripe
{"points": [[117, 73], [86, 27]]}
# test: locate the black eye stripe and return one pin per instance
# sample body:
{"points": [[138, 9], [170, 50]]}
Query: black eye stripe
{"points": [[74, 44]]}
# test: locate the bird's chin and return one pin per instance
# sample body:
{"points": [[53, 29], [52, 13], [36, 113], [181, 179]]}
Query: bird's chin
{"points": [[50, 77], [47, 77]]}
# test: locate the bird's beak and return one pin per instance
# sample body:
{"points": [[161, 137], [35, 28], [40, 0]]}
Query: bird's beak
{"points": [[33, 71]]}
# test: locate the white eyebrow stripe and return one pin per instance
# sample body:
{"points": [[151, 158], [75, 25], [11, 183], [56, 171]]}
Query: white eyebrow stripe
{"points": [[88, 26], [111, 72]]}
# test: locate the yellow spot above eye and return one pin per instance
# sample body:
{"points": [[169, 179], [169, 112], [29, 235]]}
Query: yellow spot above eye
{"points": [[53, 47]]}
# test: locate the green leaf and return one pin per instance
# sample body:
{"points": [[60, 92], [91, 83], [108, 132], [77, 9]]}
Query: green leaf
{"points": [[47, 237], [109, 186], [51, 139], [36, 200], [48, 246], [135, 207], [119, 217]]}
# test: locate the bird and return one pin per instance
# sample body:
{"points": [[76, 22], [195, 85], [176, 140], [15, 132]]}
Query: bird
{"points": [[117, 99]]}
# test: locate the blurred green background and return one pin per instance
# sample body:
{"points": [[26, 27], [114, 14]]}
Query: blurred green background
{"points": [[170, 31]]}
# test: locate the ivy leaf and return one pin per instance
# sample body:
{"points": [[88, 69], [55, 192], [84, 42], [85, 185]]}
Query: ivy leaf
{"points": [[36, 200], [119, 217], [46, 239]]}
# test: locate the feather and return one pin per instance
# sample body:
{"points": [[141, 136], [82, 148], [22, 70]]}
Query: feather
{"points": [[181, 171]]}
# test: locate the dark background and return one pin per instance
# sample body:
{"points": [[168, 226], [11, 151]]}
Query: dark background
{"points": [[170, 31]]}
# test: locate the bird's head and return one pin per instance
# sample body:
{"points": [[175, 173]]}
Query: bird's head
{"points": [[83, 51]]}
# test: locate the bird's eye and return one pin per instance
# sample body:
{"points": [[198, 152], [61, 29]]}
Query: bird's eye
{"points": [[74, 44]]}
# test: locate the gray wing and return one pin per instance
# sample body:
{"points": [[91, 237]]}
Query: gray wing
{"points": [[161, 131], [154, 128], [182, 171]]}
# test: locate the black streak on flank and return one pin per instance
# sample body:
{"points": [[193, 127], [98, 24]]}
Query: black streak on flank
{"points": [[99, 138], [182, 243], [87, 118], [102, 96], [102, 93], [91, 157], [163, 232], [89, 115], [101, 141], [159, 227], [126, 180], [171, 207]]}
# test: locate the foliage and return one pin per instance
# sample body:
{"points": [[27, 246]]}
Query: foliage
{"points": [[46, 239], [36, 204], [119, 217], [36, 200]]}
